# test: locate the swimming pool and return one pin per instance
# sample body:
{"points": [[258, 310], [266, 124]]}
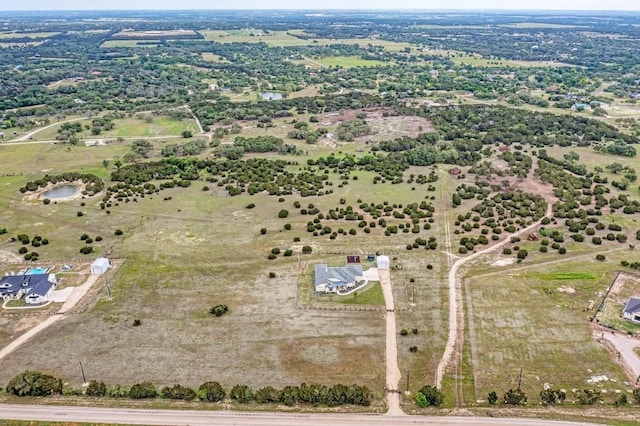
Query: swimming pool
{"points": [[38, 270]]}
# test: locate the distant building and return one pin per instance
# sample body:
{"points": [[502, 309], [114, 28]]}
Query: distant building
{"points": [[631, 311], [35, 288], [383, 262], [329, 279], [100, 266]]}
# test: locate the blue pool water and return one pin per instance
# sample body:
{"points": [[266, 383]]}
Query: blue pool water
{"points": [[38, 270]]}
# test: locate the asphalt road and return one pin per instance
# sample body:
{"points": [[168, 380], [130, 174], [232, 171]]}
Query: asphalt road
{"points": [[226, 418]]}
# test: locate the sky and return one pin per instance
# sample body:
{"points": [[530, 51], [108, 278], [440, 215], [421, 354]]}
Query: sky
{"points": [[5, 5]]}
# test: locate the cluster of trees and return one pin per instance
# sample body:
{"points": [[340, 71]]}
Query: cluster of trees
{"points": [[194, 147], [33, 383], [351, 129], [93, 184]]}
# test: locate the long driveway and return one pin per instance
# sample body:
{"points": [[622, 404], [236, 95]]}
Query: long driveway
{"points": [[625, 346], [391, 357], [226, 418]]}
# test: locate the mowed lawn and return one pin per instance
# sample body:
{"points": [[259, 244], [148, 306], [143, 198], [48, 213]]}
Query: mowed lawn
{"points": [[524, 320]]}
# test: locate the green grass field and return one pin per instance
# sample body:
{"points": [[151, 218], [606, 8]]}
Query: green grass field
{"points": [[8, 36], [350, 62], [129, 43]]}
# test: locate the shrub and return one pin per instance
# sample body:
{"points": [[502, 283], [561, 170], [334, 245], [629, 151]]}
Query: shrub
{"points": [[272, 274], [219, 310], [242, 393], [601, 257], [492, 397], [588, 396], [266, 395], [79, 214], [429, 396], [283, 213], [118, 232], [514, 397], [137, 323], [551, 396], [98, 238], [34, 383], [250, 206], [96, 388], [307, 249], [46, 201], [287, 226], [86, 250], [23, 250], [211, 392], [404, 332], [178, 392], [263, 231], [143, 390], [288, 252]]}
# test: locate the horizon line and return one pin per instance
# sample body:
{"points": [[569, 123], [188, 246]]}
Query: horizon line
{"points": [[325, 9]]}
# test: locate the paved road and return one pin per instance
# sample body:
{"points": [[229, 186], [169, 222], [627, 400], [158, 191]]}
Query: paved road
{"points": [[391, 356], [226, 418]]}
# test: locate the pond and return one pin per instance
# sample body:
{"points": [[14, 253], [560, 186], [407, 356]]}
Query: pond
{"points": [[63, 191], [271, 96]]}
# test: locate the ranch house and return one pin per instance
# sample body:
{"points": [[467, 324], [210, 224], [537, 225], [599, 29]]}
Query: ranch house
{"points": [[631, 311], [329, 279], [36, 288]]}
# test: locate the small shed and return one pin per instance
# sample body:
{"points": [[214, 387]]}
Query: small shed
{"points": [[383, 262], [100, 266]]}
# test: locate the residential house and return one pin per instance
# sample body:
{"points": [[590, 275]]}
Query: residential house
{"points": [[329, 279], [35, 288], [631, 311]]}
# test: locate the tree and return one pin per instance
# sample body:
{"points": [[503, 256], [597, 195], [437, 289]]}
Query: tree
{"points": [[492, 397], [187, 134], [307, 249], [143, 390], [551, 396], [588, 396], [34, 383], [242, 393], [431, 396], [178, 392], [283, 213], [96, 388], [211, 392], [266, 395], [514, 397]]}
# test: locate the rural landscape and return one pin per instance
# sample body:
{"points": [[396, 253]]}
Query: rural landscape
{"points": [[400, 213]]}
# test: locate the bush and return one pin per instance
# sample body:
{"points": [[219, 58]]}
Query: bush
{"points": [[288, 252], [307, 249], [601, 257], [144, 390], [250, 206], [211, 392], [588, 396], [242, 393], [86, 250], [272, 274], [283, 213], [46, 201], [551, 396], [178, 392], [263, 231], [79, 214], [219, 310], [34, 383], [23, 250], [429, 396], [96, 389], [266, 395], [404, 332], [118, 232], [492, 397], [287, 226], [514, 397]]}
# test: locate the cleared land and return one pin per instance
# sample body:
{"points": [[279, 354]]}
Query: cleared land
{"points": [[349, 62]]}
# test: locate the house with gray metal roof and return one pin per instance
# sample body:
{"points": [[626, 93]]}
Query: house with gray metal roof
{"points": [[36, 288], [330, 279], [631, 310]]}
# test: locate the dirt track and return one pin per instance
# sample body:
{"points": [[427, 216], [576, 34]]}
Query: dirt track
{"points": [[393, 372]]}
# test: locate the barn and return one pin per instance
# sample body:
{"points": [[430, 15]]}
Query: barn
{"points": [[383, 262], [100, 266]]}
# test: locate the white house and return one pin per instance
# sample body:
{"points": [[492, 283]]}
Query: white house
{"points": [[100, 266], [383, 262], [329, 279], [631, 311], [37, 287]]}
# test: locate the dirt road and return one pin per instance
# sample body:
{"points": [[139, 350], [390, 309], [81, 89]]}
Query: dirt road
{"points": [[456, 313], [625, 346], [393, 372], [26, 136], [74, 298]]}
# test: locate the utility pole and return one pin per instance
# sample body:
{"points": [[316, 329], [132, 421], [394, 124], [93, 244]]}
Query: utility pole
{"points": [[84, 379], [520, 379]]}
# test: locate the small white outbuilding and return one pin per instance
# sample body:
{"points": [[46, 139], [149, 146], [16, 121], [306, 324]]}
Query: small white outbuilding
{"points": [[383, 262], [100, 266]]}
